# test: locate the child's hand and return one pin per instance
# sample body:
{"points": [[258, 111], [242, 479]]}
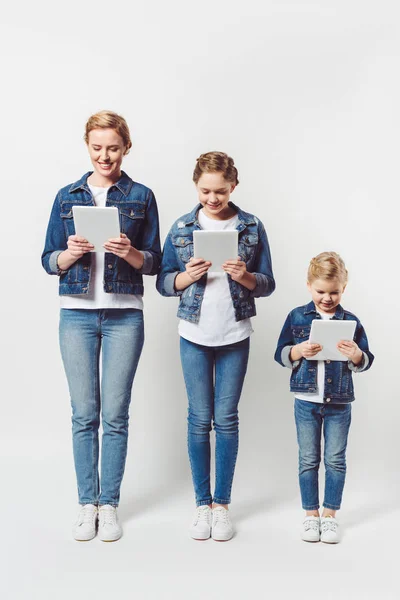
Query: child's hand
{"points": [[235, 268], [304, 350], [351, 350], [196, 268]]}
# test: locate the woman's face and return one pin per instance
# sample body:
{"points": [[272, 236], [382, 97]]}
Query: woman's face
{"points": [[214, 192], [106, 149]]}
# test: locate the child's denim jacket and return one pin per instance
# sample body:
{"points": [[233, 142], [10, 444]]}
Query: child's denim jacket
{"points": [[253, 250], [338, 386], [138, 220]]}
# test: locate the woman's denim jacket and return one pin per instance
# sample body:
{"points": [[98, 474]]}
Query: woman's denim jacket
{"points": [[253, 249], [338, 385], [138, 220]]}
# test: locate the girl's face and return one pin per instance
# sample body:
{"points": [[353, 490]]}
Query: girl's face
{"points": [[214, 193], [326, 294], [106, 149]]}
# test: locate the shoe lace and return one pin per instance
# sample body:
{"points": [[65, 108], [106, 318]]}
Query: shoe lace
{"points": [[202, 514], [221, 515], [86, 515], [311, 524], [108, 515], [328, 524]]}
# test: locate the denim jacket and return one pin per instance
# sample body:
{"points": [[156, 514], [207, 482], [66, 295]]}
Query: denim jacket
{"points": [[253, 249], [338, 385], [138, 217]]}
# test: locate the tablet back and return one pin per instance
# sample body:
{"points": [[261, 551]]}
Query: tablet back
{"points": [[96, 224], [328, 334], [216, 246]]}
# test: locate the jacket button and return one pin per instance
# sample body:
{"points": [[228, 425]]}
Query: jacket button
{"points": [[328, 362], [84, 289], [329, 380], [131, 213], [109, 286], [109, 266], [328, 399]]}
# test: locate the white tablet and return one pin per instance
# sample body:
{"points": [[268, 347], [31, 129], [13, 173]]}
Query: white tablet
{"points": [[328, 334], [96, 224], [216, 246]]}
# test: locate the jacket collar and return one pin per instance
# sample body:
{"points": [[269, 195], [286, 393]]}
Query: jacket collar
{"points": [[123, 184], [310, 308], [244, 218]]}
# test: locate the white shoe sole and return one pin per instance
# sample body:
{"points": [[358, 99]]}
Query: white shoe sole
{"points": [[84, 538], [222, 538], [200, 538], [330, 541]]}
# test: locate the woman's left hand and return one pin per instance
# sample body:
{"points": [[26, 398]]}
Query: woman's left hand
{"points": [[351, 350], [119, 246], [235, 268]]}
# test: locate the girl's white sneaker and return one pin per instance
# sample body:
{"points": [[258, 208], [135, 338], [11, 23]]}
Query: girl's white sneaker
{"points": [[84, 528], [222, 529], [201, 526], [329, 530], [109, 528], [311, 529]]}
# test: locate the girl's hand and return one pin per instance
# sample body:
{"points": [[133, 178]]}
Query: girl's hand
{"points": [[304, 350], [78, 246], [119, 246], [351, 350], [235, 268], [196, 268]]}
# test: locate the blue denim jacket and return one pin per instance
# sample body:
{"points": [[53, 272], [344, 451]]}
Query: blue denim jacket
{"points": [[253, 249], [338, 385], [138, 220]]}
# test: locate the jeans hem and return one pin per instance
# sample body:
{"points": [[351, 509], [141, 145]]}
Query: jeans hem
{"points": [[111, 503], [84, 502], [331, 506], [220, 501], [204, 502], [314, 507]]}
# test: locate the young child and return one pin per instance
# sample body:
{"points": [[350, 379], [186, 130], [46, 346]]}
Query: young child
{"points": [[323, 393]]}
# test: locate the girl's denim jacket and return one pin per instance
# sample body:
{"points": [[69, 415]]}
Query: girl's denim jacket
{"points": [[253, 250], [338, 385], [138, 220]]}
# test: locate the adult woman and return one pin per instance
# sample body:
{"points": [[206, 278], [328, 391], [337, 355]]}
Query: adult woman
{"points": [[101, 309], [215, 327]]}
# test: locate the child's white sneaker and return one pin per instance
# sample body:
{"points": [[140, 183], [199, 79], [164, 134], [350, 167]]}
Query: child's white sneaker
{"points": [[109, 528], [84, 528], [201, 526], [222, 529], [311, 529], [329, 530]]}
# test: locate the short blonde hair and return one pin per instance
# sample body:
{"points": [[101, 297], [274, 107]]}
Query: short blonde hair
{"points": [[216, 162], [106, 119], [327, 265]]}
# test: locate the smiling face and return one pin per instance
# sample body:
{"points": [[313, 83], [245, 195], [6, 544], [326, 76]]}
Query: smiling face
{"points": [[214, 193], [106, 149], [326, 294]]}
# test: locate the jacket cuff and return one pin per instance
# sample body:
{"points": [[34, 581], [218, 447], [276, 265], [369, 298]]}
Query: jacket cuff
{"points": [[53, 265], [169, 284], [286, 360], [147, 262], [361, 366], [261, 288]]}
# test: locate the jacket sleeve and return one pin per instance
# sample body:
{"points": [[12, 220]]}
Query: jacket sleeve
{"points": [[56, 240], [362, 342], [263, 266], [285, 344], [150, 239], [170, 268]]}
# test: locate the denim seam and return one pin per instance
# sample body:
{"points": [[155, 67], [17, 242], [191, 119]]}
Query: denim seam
{"points": [[331, 506]]}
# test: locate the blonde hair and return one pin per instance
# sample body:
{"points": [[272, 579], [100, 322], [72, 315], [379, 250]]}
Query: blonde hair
{"points": [[327, 265], [106, 119], [216, 162]]}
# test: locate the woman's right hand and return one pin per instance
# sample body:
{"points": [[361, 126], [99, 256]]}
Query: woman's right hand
{"points": [[78, 246], [195, 269], [304, 350]]}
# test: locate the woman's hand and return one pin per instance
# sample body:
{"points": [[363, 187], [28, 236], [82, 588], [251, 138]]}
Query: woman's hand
{"points": [[235, 268], [121, 246], [351, 350], [304, 350], [78, 246]]}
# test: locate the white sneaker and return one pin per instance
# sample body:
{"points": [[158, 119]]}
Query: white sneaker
{"points": [[109, 528], [329, 530], [222, 529], [201, 526], [84, 528], [311, 529]]}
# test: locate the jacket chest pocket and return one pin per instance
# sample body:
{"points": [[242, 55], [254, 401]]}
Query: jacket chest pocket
{"points": [[248, 247], [301, 334], [68, 221], [131, 219], [183, 247]]}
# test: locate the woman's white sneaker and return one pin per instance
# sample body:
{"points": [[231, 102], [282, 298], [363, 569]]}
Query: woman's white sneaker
{"points": [[311, 529], [201, 526], [329, 530], [222, 529], [109, 528], [84, 528]]}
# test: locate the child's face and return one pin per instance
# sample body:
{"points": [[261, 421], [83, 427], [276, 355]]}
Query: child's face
{"points": [[214, 192], [326, 294]]}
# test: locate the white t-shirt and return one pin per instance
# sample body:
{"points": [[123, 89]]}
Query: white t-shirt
{"points": [[96, 296], [217, 325], [319, 396]]}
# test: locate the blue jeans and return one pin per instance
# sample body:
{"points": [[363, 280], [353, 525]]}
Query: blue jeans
{"points": [[119, 334], [214, 378], [334, 420]]}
